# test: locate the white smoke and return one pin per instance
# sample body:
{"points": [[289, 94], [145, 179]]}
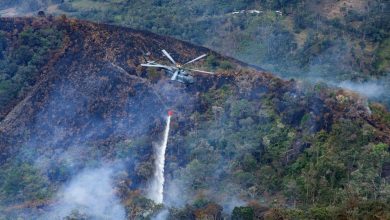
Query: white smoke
{"points": [[90, 193], [163, 215], [156, 188], [368, 89], [176, 192], [229, 204]]}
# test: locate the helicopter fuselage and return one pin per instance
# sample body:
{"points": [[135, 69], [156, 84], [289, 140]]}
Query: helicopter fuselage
{"points": [[183, 76], [177, 72]]}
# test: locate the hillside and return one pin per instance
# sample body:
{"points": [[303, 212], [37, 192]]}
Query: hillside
{"points": [[78, 108], [334, 40]]}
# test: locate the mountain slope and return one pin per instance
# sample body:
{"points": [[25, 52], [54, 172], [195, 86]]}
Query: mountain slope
{"points": [[294, 38], [340, 42], [241, 137]]}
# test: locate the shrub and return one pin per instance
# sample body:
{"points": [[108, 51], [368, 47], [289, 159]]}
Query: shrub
{"points": [[22, 182], [242, 213], [225, 65]]}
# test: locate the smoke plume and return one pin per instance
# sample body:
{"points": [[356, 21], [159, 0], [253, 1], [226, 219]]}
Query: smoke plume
{"points": [[90, 193]]}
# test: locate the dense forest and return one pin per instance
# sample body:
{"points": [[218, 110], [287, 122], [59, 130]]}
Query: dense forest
{"points": [[21, 60]]}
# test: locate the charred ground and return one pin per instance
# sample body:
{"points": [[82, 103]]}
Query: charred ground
{"points": [[282, 148]]}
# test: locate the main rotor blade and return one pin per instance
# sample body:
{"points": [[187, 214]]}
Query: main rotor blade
{"points": [[156, 66], [174, 76], [201, 71], [169, 56], [196, 59]]}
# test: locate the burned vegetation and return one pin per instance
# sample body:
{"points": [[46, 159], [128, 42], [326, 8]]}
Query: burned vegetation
{"points": [[243, 143]]}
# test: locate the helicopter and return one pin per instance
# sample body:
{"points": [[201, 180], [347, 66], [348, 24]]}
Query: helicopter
{"points": [[177, 72]]}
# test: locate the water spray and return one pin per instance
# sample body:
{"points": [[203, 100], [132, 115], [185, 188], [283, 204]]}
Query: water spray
{"points": [[156, 189]]}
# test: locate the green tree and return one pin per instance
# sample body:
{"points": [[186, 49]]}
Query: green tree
{"points": [[242, 213]]}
